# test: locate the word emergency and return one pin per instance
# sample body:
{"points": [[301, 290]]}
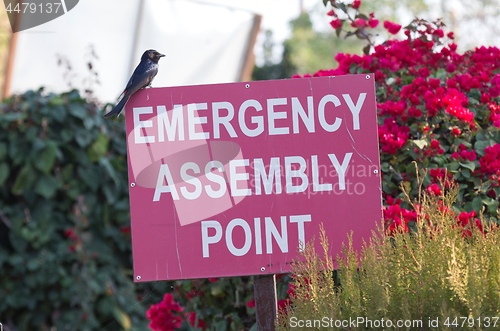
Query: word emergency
{"points": [[223, 116]]}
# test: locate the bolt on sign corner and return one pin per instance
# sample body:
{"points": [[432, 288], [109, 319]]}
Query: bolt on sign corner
{"points": [[228, 179]]}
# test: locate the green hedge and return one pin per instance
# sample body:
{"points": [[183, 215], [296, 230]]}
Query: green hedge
{"points": [[65, 244], [65, 252]]}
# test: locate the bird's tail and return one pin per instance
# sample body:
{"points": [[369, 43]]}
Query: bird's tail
{"points": [[118, 108]]}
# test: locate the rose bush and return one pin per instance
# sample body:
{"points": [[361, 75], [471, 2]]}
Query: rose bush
{"points": [[437, 109]]}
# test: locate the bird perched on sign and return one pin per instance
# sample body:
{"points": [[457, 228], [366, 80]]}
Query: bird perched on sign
{"points": [[142, 77]]}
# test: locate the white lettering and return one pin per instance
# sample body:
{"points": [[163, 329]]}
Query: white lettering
{"points": [[188, 179], [224, 120], [317, 187], [245, 241], [258, 236], [297, 111], [341, 169], [170, 127], [216, 179], [205, 239], [321, 113], [274, 175], [273, 115], [229, 237], [255, 119], [281, 240], [300, 220], [355, 109], [139, 125], [236, 177], [289, 174], [163, 174], [194, 120]]}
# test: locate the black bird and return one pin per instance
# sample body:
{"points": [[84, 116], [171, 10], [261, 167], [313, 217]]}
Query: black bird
{"points": [[142, 77]]}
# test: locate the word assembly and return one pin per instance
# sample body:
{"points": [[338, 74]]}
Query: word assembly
{"points": [[295, 171]]}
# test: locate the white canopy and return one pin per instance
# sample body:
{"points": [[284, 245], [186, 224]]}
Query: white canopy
{"points": [[203, 44]]}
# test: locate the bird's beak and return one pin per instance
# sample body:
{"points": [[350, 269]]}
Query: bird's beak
{"points": [[162, 55]]}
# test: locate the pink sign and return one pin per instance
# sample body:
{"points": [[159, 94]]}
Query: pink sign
{"points": [[228, 179]]}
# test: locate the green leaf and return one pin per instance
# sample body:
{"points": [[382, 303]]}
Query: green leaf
{"points": [[11, 117], [486, 186], [480, 146], [473, 101], [363, 16], [420, 143], [56, 101], [469, 165], [217, 291], [4, 173], [411, 168], [221, 325], [407, 186], [67, 172], [99, 148], [58, 113], [3, 151], [492, 205], [347, 35], [23, 179], [89, 177], [110, 170], [338, 31], [439, 160], [33, 265], [480, 136], [477, 182], [19, 245], [83, 137], [46, 186], [477, 204], [402, 157], [77, 110], [122, 318], [88, 123], [46, 158], [453, 166]]}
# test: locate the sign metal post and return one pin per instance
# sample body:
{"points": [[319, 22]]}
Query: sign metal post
{"points": [[265, 301]]}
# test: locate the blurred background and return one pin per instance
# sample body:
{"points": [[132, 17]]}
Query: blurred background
{"points": [[206, 41], [65, 236]]}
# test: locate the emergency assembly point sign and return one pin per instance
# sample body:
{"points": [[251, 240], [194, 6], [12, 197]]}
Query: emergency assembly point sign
{"points": [[228, 179]]}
